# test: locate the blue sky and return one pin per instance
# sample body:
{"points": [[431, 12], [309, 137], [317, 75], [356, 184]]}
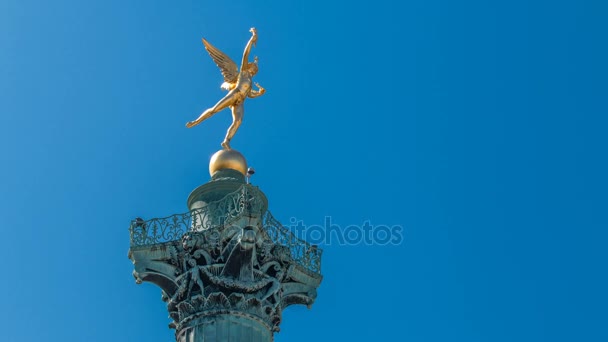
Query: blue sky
{"points": [[477, 126]]}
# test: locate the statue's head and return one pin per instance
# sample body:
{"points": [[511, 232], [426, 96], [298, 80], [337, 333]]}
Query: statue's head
{"points": [[253, 67]]}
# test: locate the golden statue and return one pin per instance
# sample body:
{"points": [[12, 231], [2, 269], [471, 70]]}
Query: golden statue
{"points": [[238, 83]]}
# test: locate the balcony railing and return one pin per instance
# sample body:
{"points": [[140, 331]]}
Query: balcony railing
{"points": [[245, 201]]}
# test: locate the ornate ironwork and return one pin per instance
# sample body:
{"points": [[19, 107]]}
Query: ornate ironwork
{"points": [[307, 255], [245, 201]]}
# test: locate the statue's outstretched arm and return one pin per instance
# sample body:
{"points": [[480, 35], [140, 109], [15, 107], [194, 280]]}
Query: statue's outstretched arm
{"points": [[255, 93], [252, 40]]}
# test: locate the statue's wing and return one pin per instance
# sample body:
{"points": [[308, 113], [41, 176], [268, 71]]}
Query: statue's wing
{"points": [[229, 69]]}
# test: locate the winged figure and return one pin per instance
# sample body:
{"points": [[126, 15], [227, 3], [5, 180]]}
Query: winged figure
{"points": [[238, 83]]}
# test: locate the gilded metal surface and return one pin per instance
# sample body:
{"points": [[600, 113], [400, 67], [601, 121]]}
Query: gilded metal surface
{"points": [[228, 159], [238, 83], [242, 203]]}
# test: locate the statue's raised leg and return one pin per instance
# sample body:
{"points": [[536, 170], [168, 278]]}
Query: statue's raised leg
{"points": [[223, 103]]}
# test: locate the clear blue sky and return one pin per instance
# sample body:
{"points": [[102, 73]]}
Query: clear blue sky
{"points": [[478, 126]]}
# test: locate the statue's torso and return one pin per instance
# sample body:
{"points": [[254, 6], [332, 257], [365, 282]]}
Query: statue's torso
{"points": [[243, 83], [242, 88]]}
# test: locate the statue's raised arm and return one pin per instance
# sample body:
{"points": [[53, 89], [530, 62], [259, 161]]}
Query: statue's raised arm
{"points": [[252, 41], [238, 82]]}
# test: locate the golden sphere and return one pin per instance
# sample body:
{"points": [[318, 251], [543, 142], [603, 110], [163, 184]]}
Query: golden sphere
{"points": [[228, 159]]}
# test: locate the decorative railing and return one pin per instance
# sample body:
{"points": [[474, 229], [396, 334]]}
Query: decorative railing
{"points": [[304, 253], [244, 201]]}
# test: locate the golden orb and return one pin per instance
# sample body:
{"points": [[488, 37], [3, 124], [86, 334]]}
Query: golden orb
{"points": [[228, 159]]}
